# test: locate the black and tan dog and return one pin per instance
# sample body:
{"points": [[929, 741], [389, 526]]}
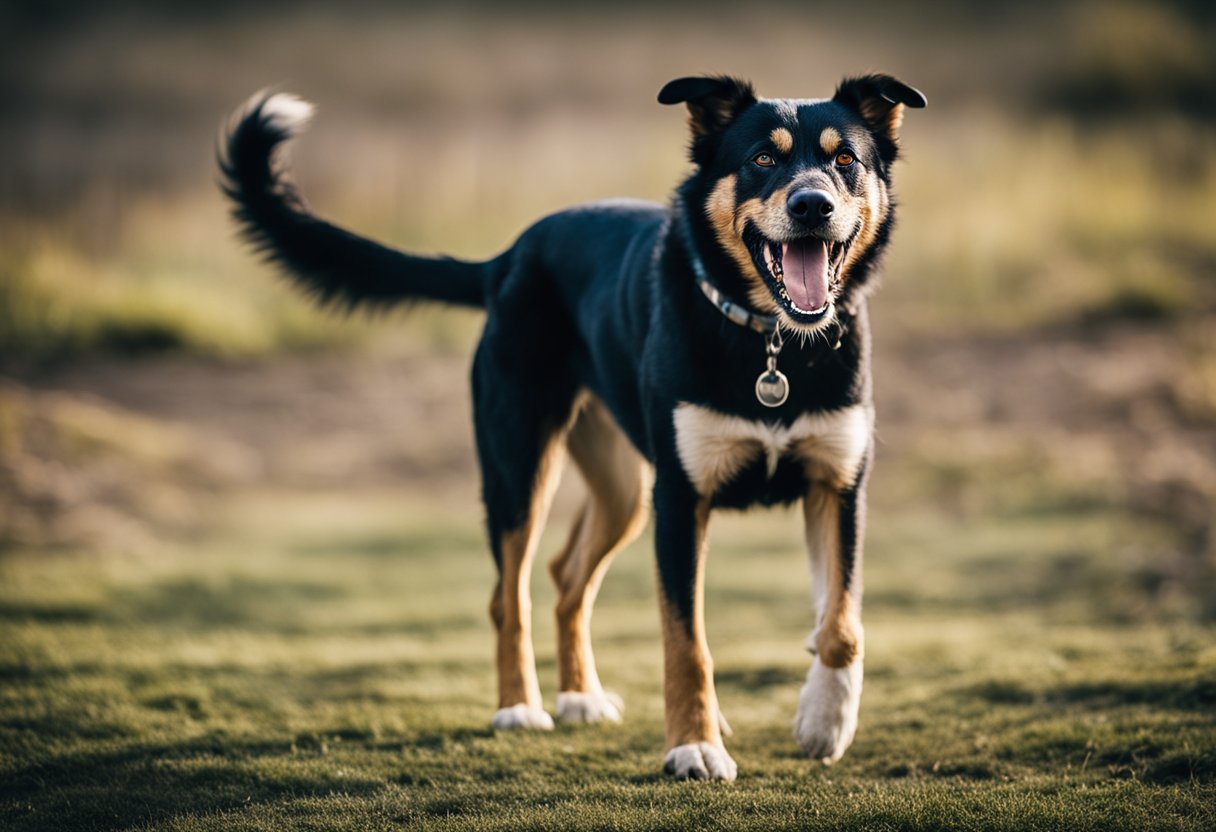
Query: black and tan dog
{"points": [[713, 353]]}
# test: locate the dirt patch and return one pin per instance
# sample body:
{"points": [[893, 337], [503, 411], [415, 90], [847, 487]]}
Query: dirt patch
{"points": [[1110, 410], [105, 455], [1104, 411]]}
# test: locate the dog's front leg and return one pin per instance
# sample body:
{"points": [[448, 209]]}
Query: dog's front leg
{"points": [[694, 737], [828, 705]]}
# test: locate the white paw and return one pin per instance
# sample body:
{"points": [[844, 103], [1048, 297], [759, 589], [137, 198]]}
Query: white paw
{"points": [[700, 761], [522, 716], [827, 710], [576, 706]]}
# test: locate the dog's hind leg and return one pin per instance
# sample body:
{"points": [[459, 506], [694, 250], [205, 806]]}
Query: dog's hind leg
{"points": [[520, 433], [617, 480]]}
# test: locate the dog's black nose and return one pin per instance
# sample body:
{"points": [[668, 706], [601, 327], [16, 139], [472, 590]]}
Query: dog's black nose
{"points": [[810, 206]]}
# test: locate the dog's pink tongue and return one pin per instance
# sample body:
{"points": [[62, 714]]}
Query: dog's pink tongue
{"points": [[805, 263]]}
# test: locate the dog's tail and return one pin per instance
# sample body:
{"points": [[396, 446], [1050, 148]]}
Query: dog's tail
{"points": [[331, 264]]}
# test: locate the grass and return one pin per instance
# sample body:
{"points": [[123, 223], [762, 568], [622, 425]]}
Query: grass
{"points": [[140, 296], [325, 662]]}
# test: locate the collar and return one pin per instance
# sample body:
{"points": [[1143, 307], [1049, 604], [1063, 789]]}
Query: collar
{"points": [[734, 312]]}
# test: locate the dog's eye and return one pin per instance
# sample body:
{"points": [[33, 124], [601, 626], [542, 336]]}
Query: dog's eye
{"points": [[844, 159], [764, 160]]}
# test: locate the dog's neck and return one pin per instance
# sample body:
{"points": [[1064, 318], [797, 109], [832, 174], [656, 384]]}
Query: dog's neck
{"points": [[733, 310], [706, 257]]}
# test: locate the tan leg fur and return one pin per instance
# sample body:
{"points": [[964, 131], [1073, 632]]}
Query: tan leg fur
{"points": [[618, 482], [511, 604]]}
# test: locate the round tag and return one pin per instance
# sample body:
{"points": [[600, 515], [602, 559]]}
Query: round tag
{"points": [[772, 388]]}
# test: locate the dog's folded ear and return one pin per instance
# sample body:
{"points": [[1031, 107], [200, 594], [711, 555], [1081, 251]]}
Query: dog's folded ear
{"points": [[713, 102], [880, 101]]}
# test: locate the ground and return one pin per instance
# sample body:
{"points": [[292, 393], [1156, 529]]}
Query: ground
{"points": [[311, 647]]}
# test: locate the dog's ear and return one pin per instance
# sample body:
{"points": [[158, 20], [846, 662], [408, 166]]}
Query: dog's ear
{"points": [[880, 101], [713, 102]]}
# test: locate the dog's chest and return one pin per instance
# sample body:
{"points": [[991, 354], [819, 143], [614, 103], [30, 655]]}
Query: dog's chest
{"points": [[714, 447]]}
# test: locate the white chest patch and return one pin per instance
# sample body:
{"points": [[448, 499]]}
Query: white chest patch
{"points": [[714, 446]]}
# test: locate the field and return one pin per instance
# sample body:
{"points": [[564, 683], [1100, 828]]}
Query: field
{"points": [[243, 582]]}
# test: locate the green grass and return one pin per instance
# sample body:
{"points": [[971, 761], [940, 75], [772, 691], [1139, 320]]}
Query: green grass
{"points": [[325, 662], [59, 303]]}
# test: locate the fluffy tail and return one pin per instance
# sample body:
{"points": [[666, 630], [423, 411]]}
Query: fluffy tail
{"points": [[331, 264]]}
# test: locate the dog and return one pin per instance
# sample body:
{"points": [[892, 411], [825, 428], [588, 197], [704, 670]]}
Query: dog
{"points": [[711, 353]]}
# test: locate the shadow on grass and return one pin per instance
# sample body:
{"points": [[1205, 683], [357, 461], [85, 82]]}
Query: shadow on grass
{"points": [[15, 612], [283, 606], [1125, 753], [758, 678], [1078, 580], [146, 783], [1113, 726], [1183, 695], [79, 704], [239, 602]]}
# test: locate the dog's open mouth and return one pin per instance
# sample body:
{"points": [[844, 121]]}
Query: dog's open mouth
{"points": [[802, 274]]}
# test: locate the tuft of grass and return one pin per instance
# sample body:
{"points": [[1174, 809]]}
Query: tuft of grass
{"points": [[59, 304]]}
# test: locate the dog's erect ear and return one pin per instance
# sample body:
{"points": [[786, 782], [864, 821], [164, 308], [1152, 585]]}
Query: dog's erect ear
{"points": [[713, 102], [880, 100]]}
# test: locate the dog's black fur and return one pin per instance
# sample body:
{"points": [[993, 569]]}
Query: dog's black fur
{"points": [[604, 298]]}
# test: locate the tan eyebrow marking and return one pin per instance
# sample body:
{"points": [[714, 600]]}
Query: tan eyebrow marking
{"points": [[782, 139], [829, 140]]}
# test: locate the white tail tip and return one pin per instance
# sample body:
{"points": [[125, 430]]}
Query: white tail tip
{"points": [[287, 113]]}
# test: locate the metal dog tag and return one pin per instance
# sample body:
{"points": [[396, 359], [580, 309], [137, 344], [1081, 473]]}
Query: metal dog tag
{"points": [[772, 388]]}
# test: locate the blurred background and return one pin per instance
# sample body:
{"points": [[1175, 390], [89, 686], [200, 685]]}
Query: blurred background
{"points": [[1045, 335], [1046, 321]]}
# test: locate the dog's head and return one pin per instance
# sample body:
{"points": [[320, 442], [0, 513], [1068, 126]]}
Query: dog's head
{"points": [[795, 191]]}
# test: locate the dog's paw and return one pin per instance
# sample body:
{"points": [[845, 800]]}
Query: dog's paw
{"points": [[827, 711], [522, 716], [700, 761], [575, 706]]}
